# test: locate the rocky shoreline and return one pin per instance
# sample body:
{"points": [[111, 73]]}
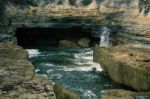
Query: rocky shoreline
{"points": [[127, 64], [124, 94], [18, 79], [17, 76]]}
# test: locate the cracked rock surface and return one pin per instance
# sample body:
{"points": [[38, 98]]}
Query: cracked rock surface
{"points": [[17, 76]]}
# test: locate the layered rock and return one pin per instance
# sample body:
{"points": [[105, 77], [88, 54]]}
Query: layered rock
{"points": [[17, 76], [123, 64], [125, 7], [123, 94], [50, 14], [126, 64]]}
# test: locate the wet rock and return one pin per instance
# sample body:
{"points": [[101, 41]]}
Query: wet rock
{"points": [[5, 38], [66, 44], [64, 93], [84, 42], [126, 64], [124, 94]]}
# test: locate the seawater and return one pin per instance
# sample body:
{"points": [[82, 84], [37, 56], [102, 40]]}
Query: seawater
{"points": [[73, 68]]}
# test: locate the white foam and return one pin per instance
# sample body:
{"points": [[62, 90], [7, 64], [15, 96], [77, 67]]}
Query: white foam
{"points": [[94, 66], [33, 52], [103, 91], [49, 65], [37, 70], [84, 58], [57, 75], [89, 94], [104, 37], [49, 71], [85, 62]]}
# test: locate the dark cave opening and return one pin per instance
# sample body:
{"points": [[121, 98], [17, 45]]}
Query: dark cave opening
{"points": [[28, 37]]}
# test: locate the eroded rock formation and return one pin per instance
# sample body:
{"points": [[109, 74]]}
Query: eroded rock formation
{"points": [[117, 94], [17, 76], [126, 64]]}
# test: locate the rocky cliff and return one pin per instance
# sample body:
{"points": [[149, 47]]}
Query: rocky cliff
{"points": [[50, 13], [126, 64], [17, 76], [129, 19]]}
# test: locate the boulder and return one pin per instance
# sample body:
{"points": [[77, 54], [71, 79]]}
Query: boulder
{"points": [[66, 44], [126, 64], [17, 76], [84, 42], [64, 93]]}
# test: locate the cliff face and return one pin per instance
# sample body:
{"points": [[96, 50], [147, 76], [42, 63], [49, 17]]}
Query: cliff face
{"points": [[126, 8], [132, 15], [134, 9], [126, 64], [37, 13]]}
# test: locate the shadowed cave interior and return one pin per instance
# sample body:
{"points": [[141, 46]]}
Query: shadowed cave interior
{"points": [[27, 37]]}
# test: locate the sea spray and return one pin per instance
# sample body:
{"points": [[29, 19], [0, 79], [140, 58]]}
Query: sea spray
{"points": [[105, 37]]}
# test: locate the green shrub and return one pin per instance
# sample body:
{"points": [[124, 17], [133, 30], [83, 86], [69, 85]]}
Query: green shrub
{"points": [[146, 5], [86, 2], [72, 2]]}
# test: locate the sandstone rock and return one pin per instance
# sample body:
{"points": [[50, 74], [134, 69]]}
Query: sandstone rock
{"points": [[92, 6], [105, 9], [17, 76], [123, 94], [11, 50], [125, 8], [63, 93], [126, 65], [13, 59], [66, 44], [84, 42], [37, 88]]}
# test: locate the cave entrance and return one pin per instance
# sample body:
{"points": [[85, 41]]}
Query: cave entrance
{"points": [[27, 37]]}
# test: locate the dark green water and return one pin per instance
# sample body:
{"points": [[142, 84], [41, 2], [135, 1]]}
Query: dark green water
{"points": [[72, 68]]}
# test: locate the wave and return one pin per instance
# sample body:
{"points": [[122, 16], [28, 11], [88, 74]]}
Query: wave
{"points": [[93, 67], [89, 94], [33, 52]]}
